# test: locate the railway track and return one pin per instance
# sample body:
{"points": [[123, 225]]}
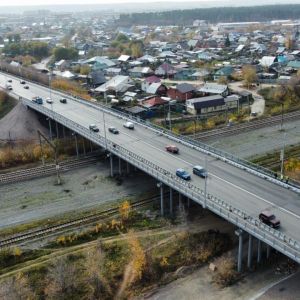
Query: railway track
{"points": [[26, 174], [41, 233], [227, 131]]}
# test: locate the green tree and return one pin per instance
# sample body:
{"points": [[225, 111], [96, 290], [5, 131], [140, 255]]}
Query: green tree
{"points": [[65, 53]]}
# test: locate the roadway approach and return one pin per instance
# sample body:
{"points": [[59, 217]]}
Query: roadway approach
{"points": [[235, 194]]}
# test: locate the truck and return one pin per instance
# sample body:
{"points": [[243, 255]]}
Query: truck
{"points": [[37, 100]]}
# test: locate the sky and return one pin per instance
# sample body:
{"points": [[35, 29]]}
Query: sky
{"points": [[54, 2]]}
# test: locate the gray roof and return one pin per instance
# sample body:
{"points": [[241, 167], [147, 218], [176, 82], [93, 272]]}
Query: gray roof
{"points": [[185, 87], [213, 88]]}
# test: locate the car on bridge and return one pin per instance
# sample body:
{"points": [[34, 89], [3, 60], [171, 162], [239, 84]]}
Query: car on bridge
{"points": [[37, 100], [183, 174], [199, 171], [269, 219], [113, 130], [26, 87], [129, 125], [49, 100], [63, 100], [22, 82], [94, 128], [9, 80], [9, 87], [172, 148]]}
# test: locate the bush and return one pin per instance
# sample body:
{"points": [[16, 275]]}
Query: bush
{"points": [[226, 273]]}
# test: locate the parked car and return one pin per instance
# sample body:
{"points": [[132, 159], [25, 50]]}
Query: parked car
{"points": [[94, 128], [26, 87], [129, 125], [172, 149], [49, 100], [63, 100], [22, 82], [113, 130], [183, 174], [268, 218], [199, 171]]}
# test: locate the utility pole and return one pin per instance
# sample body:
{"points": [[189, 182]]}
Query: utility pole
{"points": [[282, 157], [54, 147], [205, 184]]}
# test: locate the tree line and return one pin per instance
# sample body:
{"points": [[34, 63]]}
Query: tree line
{"points": [[212, 15]]}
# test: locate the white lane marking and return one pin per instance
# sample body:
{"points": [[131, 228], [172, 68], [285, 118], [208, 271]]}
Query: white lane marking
{"points": [[228, 182], [256, 196]]}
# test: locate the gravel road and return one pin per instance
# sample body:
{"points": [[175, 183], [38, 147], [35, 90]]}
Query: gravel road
{"points": [[82, 189]]}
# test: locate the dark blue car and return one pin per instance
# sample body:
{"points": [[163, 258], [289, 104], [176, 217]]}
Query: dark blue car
{"points": [[183, 174]]}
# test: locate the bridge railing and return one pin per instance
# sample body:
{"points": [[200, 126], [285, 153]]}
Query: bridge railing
{"points": [[274, 238]]}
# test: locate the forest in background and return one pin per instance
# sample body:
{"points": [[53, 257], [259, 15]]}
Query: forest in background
{"points": [[212, 15]]}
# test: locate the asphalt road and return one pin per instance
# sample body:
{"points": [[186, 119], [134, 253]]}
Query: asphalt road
{"points": [[235, 186]]}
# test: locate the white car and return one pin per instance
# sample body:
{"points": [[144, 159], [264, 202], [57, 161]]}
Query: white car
{"points": [[129, 125], [49, 100]]}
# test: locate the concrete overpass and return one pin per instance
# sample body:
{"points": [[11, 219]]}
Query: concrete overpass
{"points": [[235, 190]]}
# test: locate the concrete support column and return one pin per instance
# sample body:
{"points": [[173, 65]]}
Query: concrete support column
{"points": [[239, 233], [258, 251], [120, 166], [83, 146], [64, 132], [180, 201], [76, 145], [127, 167], [268, 251], [111, 165], [171, 201], [250, 250], [188, 202], [56, 124], [50, 129], [161, 199], [91, 146]]}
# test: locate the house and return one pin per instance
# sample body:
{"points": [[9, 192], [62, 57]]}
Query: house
{"points": [[153, 102], [118, 84], [205, 104], [157, 89], [193, 44], [182, 92], [96, 78], [111, 72], [139, 111], [98, 63], [165, 70], [148, 81], [268, 61], [211, 88], [224, 72], [148, 59], [140, 72], [124, 58], [211, 104], [295, 64], [61, 65]]}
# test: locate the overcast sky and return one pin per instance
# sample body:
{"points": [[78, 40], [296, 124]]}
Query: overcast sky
{"points": [[51, 2]]}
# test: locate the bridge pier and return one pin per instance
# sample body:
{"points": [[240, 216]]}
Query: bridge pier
{"points": [[171, 201], [64, 132], [268, 251], [111, 165], [180, 201], [127, 167], [56, 125], [250, 251], [76, 144], [50, 129], [83, 146], [258, 251], [239, 233], [161, 186], [120, 166]]}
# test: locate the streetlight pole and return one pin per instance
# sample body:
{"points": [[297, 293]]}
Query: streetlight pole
{"points": [[282, 157], [104, 130], [205, 184]]}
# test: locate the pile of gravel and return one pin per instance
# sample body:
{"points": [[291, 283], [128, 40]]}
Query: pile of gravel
{"points": [[20, 124]]}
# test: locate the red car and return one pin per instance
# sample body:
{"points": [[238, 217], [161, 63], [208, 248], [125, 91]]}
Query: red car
{"points": [[172, 149]]}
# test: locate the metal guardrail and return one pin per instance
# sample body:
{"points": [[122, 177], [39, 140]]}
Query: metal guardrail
{"points": [[279, 241]]}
